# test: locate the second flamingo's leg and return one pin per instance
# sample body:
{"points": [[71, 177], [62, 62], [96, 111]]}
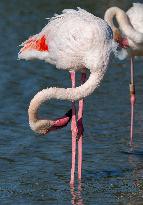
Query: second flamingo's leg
{"points": [[132, 100], [80, 130], [74, 131]]}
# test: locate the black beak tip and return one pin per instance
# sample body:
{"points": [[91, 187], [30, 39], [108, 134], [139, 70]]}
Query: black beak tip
{"points": [[69, 113]]}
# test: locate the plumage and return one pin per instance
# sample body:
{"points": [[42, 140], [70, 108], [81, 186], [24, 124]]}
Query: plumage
{"points": [[135, 14], [72, 38]]}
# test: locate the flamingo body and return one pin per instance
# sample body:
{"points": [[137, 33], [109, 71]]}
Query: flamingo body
{"points": [[129, 35], [74, 41], [135, 14], [71, 41]]}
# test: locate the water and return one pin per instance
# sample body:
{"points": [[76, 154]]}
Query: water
{"points": [[36, 170]]}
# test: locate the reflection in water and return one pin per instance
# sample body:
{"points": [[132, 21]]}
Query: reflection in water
{"points": [[137, 174], [135, 159], [76, 195]]}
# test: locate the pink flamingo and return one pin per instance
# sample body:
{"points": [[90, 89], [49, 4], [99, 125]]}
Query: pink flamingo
{"points": [[130, 36], [73, 41]]}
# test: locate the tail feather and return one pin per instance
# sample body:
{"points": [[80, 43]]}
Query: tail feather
{"points": [[35, 47], [34, 43]]}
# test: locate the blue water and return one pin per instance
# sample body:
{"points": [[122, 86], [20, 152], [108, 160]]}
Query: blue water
{"points": [[36, 170]]}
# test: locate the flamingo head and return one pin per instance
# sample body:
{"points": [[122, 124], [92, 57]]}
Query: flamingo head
{"points": [[43, 127], [35, 47], [122, 41]]}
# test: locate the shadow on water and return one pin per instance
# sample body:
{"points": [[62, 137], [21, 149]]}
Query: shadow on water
{"points": [[133, 152]]}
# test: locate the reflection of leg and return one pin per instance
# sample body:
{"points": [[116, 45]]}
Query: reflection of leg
{"points": [[76, 195], [74, 131], [73, 201], [80, 202], [132, 100], [80, 130]]}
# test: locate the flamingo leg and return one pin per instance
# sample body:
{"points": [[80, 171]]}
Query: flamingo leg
{"points": [[132, 100], [80, 130], [74, 131]]}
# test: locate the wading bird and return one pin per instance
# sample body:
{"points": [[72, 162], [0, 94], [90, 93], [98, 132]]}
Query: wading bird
{"points": [[129, 35], [74, 41]]}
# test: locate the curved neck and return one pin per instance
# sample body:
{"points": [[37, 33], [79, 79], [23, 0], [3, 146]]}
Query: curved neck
{"points": [[71, 94], [62, 94], [124, 24]]}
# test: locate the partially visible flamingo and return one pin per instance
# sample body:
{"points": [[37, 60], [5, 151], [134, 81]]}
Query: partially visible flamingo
{"points": [[130, 36], [73, 41]]}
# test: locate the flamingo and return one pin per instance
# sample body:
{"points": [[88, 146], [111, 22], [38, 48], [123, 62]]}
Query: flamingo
{"points": [[74, 41], [129, 35]]}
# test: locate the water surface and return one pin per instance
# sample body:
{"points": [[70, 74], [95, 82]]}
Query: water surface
{"points": [[36, 170]]}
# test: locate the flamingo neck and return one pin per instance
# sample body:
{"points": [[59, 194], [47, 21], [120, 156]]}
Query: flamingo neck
{"points": [[43, 126], [124, 24]]}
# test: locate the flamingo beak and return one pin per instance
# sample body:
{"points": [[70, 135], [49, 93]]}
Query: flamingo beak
{"points": [[123, 42], [60, 122]]}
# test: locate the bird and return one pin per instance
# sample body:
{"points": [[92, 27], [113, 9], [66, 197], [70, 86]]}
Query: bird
{"points": [[74, 40], [129, 35]]}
